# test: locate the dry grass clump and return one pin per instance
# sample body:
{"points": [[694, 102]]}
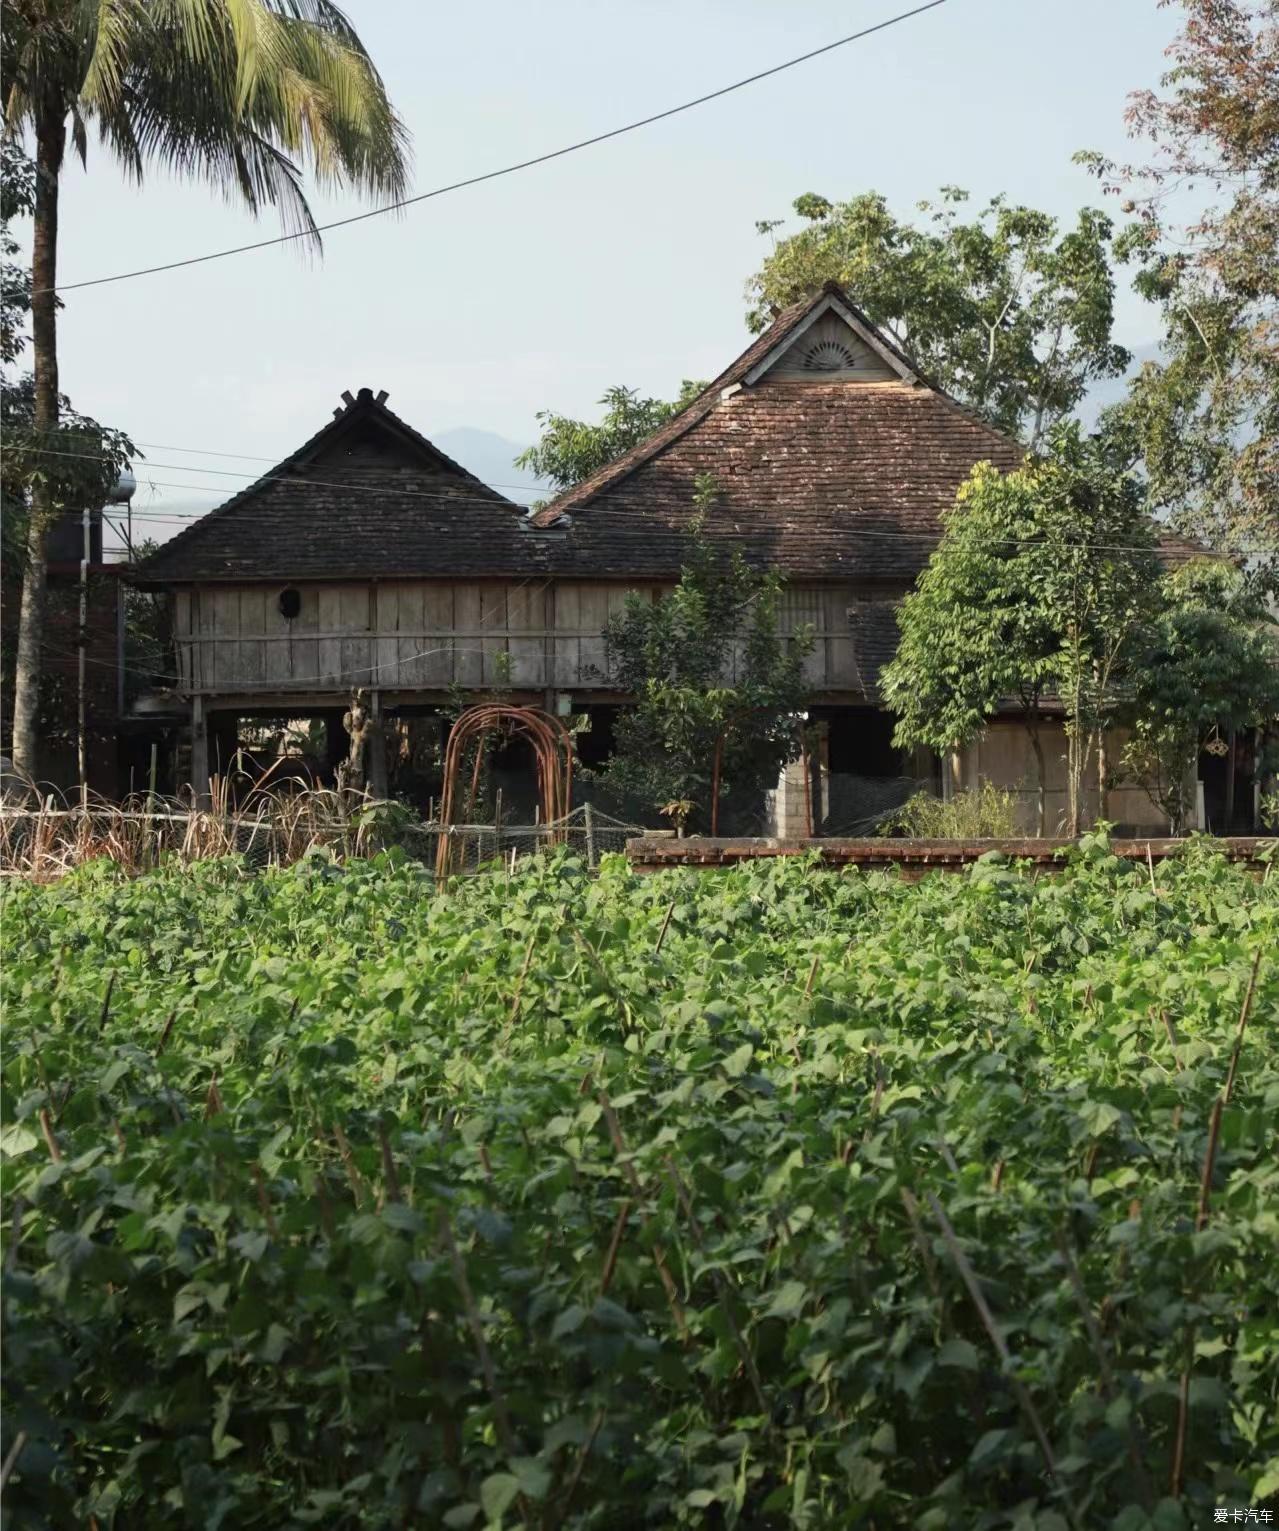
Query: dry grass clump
{"points": [[271, 823]]}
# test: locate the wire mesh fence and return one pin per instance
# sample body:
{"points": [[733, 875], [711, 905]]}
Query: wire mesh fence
{"points": [[47, 841]]}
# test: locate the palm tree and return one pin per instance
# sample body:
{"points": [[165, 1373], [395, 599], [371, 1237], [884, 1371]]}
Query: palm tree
{"points": [[236, 92]]}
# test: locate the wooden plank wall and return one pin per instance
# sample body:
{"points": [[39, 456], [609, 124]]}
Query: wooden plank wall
{"points": [[419, 635]]}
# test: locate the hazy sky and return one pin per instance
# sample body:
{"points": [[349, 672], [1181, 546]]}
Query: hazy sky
{"points": [[623, 263]]}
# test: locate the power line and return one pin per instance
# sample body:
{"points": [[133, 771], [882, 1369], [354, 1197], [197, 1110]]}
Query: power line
{"points": [[288, 477], [527, 164], [159, 446]]}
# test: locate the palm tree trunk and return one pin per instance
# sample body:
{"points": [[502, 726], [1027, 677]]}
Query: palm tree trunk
{"points": [[50, 143]]}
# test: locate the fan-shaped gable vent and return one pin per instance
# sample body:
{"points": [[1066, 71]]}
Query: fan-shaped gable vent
{"points": [[829, 356]]}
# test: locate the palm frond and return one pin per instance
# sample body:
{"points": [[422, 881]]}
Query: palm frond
{"points": [[243, 94]]}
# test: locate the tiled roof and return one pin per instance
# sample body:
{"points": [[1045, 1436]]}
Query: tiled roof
{"points": [[821, 479], [366, 497]]}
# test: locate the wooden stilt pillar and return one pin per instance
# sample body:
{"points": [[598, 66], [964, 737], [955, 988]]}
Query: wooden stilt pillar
{"points": [[375, 765], [199, 752]]}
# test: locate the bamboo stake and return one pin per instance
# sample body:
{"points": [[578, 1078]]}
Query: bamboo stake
{"points": [[812, 974], [615, 1244], [666, 925], [11, 1457], [725, 1294], [1024, 1400], [1173, 1038], [348, 1162], [105, 1015], [500, 1417], [1103, 1362], [659, 1254], [1249, 995], [164, 1035], [264, 1202], [46, 1127], [15, 1233], [587, 1446], [519, 982], [389, 1172]]}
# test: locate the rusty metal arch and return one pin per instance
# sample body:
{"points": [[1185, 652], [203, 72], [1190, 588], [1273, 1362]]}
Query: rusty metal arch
{"points": [[552, 750]]}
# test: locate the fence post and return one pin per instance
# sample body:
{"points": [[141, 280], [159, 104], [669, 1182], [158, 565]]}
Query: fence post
{"points": [[589, 816]]}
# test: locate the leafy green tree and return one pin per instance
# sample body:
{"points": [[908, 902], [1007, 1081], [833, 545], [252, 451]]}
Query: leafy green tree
{"points": [[1005, 310], [233, 91], [971, 635], [569, 450], [719, 692], [1204, 416], [1042, 585], [1211, 667]]}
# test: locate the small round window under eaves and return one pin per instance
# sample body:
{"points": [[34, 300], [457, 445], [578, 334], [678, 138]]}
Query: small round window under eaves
{"points": [[290, 603]]}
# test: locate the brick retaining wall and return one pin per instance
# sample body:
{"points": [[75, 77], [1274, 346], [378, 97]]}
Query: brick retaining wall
{"points": [[914, 857]]}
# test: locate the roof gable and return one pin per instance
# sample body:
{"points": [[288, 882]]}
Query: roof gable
{"points": [[833, 341], [832, 309]]}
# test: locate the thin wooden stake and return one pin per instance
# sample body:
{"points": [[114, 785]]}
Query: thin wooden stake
{"points": [[15, 1233], [666, 925], [725, 1294], [500, 1417], [519, 982], [615, 1244], [46, 1127], [587, 1446], [11, 1457], [1103, 1361], [264, 1202], [164, 1035], [1249, 995], [1026, 1402], [1210, 1161], [921, 1243], [326, 1209], [348, 1162], [105, 1014], [1173, 1038], [1150, 864], [389, 1172], [658, 1253], [812, 974]]}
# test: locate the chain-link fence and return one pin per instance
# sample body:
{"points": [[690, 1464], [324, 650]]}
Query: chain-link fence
{"points": [[48, 841]]}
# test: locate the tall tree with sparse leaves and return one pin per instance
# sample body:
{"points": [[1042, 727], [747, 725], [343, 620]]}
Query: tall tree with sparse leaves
{"points": [[1203, 417], [234, 92]]}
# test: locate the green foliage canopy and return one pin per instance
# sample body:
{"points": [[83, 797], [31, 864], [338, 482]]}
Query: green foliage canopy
{"points": [[1211, 666], [1043, 582], [569, 450], [1006, 311]]}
